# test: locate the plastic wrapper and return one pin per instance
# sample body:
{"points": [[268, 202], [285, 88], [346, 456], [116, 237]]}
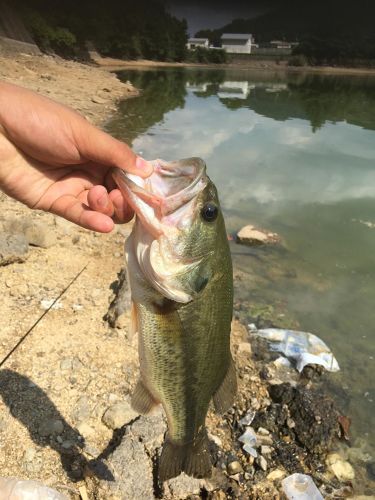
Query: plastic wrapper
{"points": [[300, 487], [12, 488], [302, 347]]}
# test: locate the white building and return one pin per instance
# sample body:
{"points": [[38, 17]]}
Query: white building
{"points": [[193, 43], [235, 43]]}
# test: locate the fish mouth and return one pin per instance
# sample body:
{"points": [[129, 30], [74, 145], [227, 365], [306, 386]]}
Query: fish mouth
{"points": [[158, 198]]}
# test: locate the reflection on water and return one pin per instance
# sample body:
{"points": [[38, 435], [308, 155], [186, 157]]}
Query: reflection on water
{"points": [[295, 155], [234, 90]]}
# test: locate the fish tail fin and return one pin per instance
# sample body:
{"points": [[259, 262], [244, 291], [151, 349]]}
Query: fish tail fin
{"points": [[224, 396], [192, 458]]}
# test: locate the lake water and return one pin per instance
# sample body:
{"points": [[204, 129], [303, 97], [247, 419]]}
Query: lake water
{"points": [[296, 155]]}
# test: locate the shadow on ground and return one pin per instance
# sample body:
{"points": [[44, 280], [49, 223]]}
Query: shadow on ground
{"points": [[31, 406]]}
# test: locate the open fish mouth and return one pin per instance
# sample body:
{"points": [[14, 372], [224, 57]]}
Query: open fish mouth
{"points": [[164, 198]]}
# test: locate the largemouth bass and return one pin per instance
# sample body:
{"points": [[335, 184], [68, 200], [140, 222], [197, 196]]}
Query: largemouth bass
{"points": [[180, 276]]}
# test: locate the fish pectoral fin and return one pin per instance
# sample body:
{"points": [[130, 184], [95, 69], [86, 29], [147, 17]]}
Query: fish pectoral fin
{"points": [[142, 400], [224, 396], [192, 458], [133, 321]]}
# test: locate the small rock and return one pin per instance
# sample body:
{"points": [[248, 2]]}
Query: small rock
{"points": [[92, 451], [36, 232], [51, 304], [66, 364], [76, 364], [40, 235], [51, 427], [255, 403], [183, 486], [13, 248], [290, 423], [85, 430], [67, 445], [215, 439], [29, 455], [341, 469], [118, 415], [262, 431], [265, 440], [244, 347], [98, 100], [218, 495], [275, 475], [234, 468], [262, 462], [81, 411], [250, 235], [266, 450]]}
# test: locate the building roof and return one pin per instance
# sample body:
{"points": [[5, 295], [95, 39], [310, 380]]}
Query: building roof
{"points": [[198, 40], [236, 36]]}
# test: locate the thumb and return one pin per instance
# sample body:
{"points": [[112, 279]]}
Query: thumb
{"points": [[100, 147]]}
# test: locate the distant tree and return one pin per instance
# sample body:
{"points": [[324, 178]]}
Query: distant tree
{"points": [[118, 28]]}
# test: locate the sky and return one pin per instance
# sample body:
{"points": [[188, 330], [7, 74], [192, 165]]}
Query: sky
{"points": [[215, 14]]}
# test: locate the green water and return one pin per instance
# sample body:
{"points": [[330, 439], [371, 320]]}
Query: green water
{"points": [[294, 154]]}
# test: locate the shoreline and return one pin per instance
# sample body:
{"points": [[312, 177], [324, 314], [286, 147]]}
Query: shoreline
{"points": [[111, 64], [91, 90]]}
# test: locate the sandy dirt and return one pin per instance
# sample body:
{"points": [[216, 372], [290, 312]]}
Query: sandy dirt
{"points": [[90, 90]]}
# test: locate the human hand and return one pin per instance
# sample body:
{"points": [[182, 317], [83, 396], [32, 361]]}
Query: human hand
{"points": [[52, 159]]}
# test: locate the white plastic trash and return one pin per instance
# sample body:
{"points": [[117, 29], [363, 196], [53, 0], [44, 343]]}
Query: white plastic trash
{"points": [[249, 439], [300, 487], [248, 418], [13, 488], [303, 347]]}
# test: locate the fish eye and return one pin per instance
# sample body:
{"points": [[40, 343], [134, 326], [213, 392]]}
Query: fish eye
{"points": [[209, 212]]}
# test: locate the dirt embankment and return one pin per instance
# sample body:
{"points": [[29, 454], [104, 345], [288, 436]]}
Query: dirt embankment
{"points": [[90, 90]]}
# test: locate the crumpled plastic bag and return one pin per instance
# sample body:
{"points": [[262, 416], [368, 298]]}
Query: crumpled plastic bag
{"points": [[302, 347], [13, 488]]}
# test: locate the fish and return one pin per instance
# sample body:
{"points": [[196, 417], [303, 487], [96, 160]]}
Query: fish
{"points": [[181, 283]]}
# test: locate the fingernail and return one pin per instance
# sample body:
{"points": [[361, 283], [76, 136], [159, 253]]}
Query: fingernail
{"points": [[103, 201], [143, 165]]}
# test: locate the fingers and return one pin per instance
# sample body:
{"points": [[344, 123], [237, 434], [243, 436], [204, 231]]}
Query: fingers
{"points": [[99, 201], [123, 211], [97, 146], [72, 209], [112, 204]]}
